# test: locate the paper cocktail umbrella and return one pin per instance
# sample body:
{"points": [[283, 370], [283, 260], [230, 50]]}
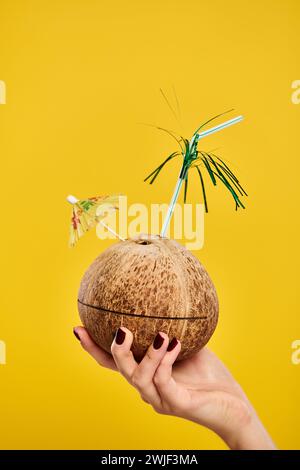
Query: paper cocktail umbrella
{"points": [[86, 213]]}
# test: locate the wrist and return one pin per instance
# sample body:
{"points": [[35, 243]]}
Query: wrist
{"points": [[250, 436]]}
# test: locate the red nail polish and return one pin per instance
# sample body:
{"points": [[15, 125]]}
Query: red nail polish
{"points": [[76, 334], [120, 336], [172, 344], [158, 342]]}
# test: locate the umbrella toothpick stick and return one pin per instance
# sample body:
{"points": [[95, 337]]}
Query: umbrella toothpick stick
{"points": [[191, 154], [112, 231]]}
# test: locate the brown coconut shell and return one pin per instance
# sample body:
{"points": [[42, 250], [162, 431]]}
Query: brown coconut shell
{"points": [[148, 284]]}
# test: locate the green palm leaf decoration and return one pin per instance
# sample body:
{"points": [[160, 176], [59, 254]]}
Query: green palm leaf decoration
{"points": [[204, 162]]}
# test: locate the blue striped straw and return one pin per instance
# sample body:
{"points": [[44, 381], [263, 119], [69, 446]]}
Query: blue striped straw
{"points": [[219, 127]]}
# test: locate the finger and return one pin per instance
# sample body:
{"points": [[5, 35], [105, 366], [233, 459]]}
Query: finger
{"points": [[163, 380], [102, 357], [143, 375], [122, 354]]}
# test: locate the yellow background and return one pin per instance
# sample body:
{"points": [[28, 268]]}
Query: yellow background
{"points": [[81, 76]]}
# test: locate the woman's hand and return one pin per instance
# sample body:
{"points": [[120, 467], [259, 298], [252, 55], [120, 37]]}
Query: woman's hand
{"points": [[199, 388]]}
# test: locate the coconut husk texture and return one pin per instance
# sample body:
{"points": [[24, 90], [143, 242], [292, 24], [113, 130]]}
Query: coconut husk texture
{"points": [[148, 284]]}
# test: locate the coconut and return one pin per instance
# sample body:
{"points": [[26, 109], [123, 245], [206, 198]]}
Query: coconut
{"points": [[148, 284]]}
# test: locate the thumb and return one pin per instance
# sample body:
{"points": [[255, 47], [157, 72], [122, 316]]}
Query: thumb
{"points": [[102, 357]]}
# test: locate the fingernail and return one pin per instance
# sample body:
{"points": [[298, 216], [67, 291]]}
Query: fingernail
{"points": [[172, 344], [120, 336], [158, 342], [76, 334]]}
